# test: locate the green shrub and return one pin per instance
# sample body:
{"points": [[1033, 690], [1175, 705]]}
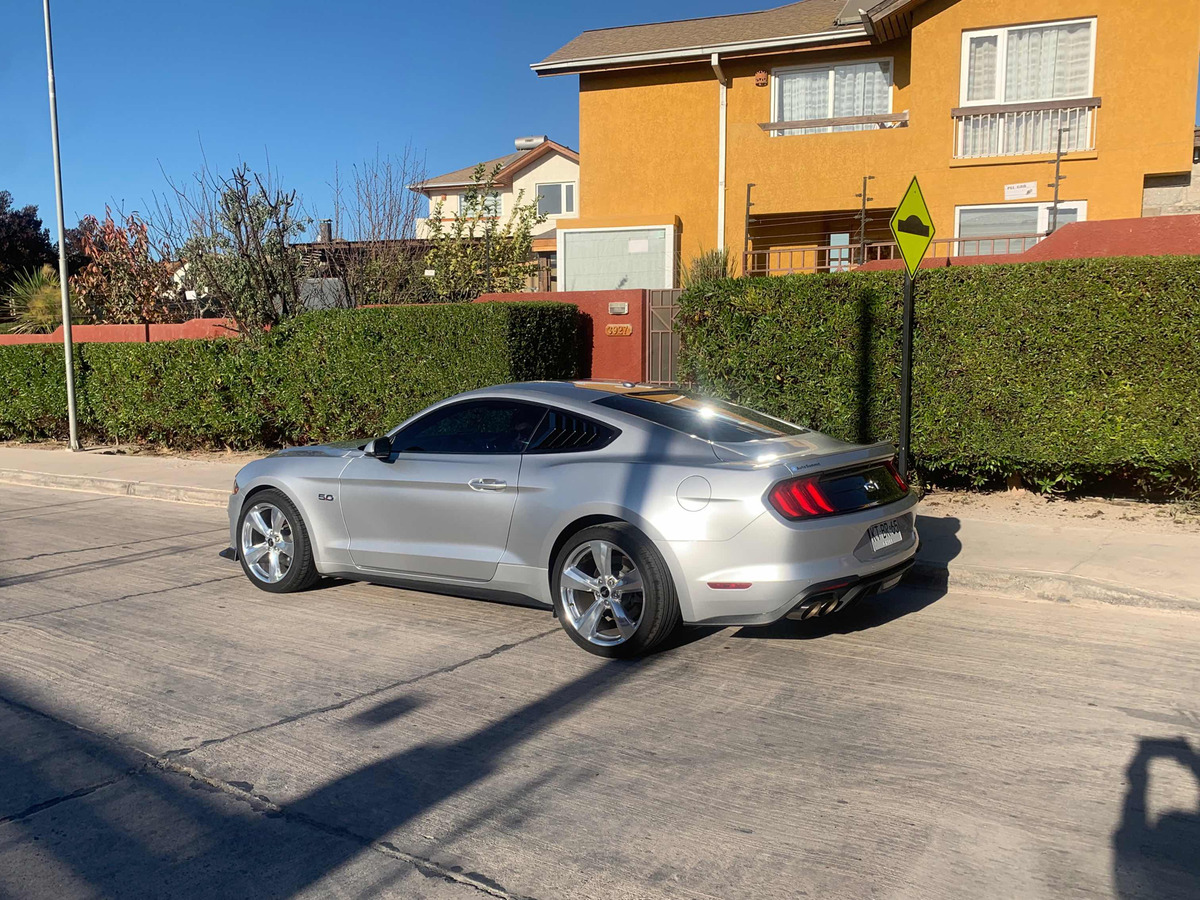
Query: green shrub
{"points": [[362, 373], [321, 376], [200, 393], [708, 265], [1059, 371], [33, 392]]}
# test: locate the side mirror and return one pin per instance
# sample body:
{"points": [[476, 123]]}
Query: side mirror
{"points": [[380, 448]]}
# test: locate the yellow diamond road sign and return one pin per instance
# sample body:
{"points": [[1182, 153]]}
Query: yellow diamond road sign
{"points": [[912, 227]]}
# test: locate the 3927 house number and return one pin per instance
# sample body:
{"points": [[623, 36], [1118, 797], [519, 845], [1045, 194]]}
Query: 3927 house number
{"points": [[618, 330]]}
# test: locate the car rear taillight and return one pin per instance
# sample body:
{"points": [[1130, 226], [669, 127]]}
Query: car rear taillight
{"points": [[891, 467], [843, 491], [800, 498]]}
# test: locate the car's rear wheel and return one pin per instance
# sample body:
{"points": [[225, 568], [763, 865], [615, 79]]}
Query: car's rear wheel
{"points": [[613, 593], [273, 544]]}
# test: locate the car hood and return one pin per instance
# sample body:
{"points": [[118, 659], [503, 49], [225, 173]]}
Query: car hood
{"points": [[335, 450]]}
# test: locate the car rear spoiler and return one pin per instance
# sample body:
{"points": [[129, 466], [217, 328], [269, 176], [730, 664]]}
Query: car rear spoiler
{"points": [[801, 459]]}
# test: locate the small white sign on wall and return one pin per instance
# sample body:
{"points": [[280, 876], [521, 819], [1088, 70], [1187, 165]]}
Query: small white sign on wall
{"points": [[1025, 190], [639, 245]]}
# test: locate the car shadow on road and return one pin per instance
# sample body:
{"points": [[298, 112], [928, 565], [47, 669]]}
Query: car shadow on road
{"points": [[1157, 859], [923, 586], [871, 612]]}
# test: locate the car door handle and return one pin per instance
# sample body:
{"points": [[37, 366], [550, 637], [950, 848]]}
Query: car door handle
{"points": [[487, 484]]}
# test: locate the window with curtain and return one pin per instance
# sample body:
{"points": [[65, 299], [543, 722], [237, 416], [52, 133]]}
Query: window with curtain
{"points": [[1029, 64], [827, 92], [490, 205]]}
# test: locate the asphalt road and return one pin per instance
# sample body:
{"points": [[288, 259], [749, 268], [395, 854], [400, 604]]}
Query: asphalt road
{"points": [[168, 730]]}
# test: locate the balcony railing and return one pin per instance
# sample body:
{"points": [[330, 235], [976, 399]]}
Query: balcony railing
{"points": [[838, 123], [1025, 129], [844, 257], [837, 258]]}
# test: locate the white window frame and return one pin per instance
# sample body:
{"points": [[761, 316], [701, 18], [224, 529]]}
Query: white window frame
{"points": [[537, 193], [483, 210], [1001, 35], [838, 255], [887, 61], [1044, 208]]}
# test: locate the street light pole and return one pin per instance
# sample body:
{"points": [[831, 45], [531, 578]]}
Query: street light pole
{"points": [[68, 354]]}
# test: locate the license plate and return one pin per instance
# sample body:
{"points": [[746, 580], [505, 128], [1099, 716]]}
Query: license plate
{"points": [[885, 534]]}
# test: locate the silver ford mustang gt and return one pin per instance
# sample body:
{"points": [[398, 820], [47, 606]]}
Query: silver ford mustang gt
{"points": [[629, 508]]}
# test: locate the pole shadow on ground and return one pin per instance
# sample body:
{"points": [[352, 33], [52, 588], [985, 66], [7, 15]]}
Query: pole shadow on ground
{"points": [[79, 809]]}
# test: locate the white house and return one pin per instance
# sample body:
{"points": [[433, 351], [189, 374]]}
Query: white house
{"points": [[538, 168]]}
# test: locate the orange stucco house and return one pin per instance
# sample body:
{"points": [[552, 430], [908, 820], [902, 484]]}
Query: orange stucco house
{"points": [[758, 132]]}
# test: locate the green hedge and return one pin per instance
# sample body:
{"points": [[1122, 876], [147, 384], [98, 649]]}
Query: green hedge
{"points": [[1059, 371], [321, 376]]}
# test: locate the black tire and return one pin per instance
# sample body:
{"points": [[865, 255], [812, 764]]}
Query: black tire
{"points": [[659, 613], [302, 571]]}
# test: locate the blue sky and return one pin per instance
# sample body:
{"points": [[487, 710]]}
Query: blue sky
{"points": [[314, 84], [142, 84]]}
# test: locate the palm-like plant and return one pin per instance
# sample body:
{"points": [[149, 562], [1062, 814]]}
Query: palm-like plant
{"points": [[709, 265], [35, 302]]}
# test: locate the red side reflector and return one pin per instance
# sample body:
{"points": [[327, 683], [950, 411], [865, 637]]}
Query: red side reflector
{"points": [[730, 585], [891, 466]]}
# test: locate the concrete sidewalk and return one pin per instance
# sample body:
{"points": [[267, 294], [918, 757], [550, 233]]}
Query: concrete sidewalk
{"points": [[1080, 559], [101, 471]]}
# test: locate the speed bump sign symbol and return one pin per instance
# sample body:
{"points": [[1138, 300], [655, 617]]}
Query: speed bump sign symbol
{"points": [[912, 227]]}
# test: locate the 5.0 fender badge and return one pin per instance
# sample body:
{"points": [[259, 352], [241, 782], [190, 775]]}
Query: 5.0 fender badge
{"points": [[324, 496]]}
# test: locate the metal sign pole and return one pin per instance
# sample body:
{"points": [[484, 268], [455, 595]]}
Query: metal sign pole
{"points": [[906, 376], [72, 425], [912, 227]]}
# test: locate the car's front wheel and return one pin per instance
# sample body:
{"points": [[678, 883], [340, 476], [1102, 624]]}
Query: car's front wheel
{"points": [[613, 593], [273, 544]]}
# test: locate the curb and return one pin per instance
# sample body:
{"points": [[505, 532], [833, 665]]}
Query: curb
{"points": [[1019, 583], [1054, 586], [146, 490]]}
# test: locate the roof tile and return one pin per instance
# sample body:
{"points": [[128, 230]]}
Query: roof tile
{"points": [[793, 20]]}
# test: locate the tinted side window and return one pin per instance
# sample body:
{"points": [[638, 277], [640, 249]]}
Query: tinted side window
{"points": [[474, 426], [562, 432], [713, 420]]}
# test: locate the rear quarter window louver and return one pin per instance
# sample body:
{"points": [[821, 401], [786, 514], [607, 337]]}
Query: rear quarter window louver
{"points": [[562, 432]]}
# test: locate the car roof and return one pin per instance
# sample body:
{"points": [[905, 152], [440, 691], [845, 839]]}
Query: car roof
{"points": [[583, 391]]}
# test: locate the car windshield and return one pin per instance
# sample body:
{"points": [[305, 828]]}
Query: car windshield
{"points": [[713, 420]]}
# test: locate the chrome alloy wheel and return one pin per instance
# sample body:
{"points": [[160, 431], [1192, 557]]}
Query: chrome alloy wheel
{"points": [[268, 545], [602, 593]]}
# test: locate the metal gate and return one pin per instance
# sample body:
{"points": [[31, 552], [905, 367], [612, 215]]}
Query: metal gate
{"points": [[662, 341]]}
